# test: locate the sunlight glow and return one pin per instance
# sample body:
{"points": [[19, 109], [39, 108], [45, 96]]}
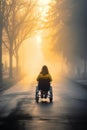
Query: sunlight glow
{"points": [[44, 7], [38, 50], [44, 2], [33, 58], [38, 40]]}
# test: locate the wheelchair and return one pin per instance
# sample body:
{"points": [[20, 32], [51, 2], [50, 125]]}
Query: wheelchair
{"points": [[44, 93]]}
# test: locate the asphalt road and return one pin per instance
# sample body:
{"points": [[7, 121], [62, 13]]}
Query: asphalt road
{"points": [[19, 111]]}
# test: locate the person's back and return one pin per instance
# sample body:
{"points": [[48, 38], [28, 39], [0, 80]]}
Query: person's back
{"points": [[44, 79]]}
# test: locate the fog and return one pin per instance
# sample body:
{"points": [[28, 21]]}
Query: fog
{"points": [[63, 54]]}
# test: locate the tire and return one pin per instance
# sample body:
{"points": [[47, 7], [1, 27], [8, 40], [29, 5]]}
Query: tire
{"points": [[51, 100], [37, 99]]}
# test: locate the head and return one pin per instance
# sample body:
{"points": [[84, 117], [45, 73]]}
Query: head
{"points": [[44, 70]]}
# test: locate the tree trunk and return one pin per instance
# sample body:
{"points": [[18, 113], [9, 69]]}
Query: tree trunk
{"points": [[11, 63], [0, 57], [85, 69], [17, 63], [1, 27]]}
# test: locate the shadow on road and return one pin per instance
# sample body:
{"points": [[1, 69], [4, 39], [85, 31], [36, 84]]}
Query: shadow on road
{"points": [[15, 120]]}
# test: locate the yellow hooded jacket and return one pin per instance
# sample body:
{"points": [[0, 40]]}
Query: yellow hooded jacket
{"points": [[46, 76]]}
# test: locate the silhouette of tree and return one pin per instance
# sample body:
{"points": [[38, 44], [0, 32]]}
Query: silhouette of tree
{"points": [[69, 30], [1, 31], [19, 23]]}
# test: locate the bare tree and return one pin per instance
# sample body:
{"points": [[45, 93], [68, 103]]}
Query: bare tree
{"points": [[69, 30], [19, 22], [1, 31]]}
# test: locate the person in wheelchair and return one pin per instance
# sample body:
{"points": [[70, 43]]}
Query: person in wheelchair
{"points": [[44, 80]]}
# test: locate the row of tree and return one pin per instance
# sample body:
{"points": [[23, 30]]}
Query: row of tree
{"points": [[69, 31], [18, 20], [66, 20]]}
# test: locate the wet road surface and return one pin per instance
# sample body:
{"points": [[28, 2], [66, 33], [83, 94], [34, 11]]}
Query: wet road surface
{"points": [[19, 111]]}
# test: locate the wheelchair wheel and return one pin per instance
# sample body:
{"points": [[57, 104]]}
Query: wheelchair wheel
{"points": [[51, 100], [37, 99]]}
